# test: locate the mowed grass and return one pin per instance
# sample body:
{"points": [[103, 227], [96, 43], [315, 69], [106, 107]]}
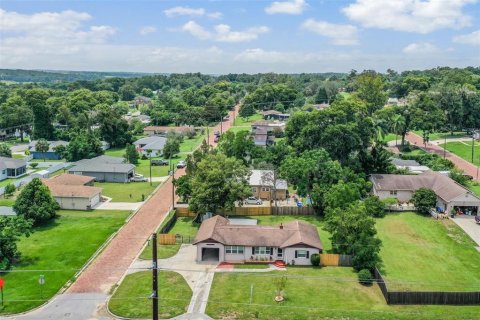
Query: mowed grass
{"points": [[464, 150], [157, 171], [313, 293], [63, 245], [442, 135], [423, 254], [473, 186], [184, 227], [127, 192], [9, 202], [246, 122], [132, 298]]}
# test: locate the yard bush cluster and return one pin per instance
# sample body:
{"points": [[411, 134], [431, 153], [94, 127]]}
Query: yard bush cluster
{"points": [[433, 161], [365, 277], [424, 199]]}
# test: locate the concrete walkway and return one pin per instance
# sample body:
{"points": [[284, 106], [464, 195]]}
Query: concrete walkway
{"points": [[460, 163], [467, 223], [108, 205]]}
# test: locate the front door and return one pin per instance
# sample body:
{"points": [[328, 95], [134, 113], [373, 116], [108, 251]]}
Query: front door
{"points": [[280, 252]]}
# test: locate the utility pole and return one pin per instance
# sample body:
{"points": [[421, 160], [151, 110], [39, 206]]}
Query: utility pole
{"points": [[173, 188], [473, 147], [445, 148], [154, 278]]}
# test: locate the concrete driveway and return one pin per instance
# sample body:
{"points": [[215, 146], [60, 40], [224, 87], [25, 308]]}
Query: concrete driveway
{"points": [[467, 223]]}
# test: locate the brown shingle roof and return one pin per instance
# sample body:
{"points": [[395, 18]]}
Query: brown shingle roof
{"points": [[71, 179], [293, 233], [443, 186], [71, 186]]}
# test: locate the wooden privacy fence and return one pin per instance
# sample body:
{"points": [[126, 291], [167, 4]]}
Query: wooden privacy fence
{"points": [[335, 260], [166, 238], [253, 211], [425, 297]]}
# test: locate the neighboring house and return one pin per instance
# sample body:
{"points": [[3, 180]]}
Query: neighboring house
{"points": [[321, 106], [136, 115], [450, 195], [275, 115], [261, 182], [396, 102], [50, 154], [142, 100], [153, 143], [411, 165], [157, 130], [12, 168], [74, 192], [270, 126], [219, 240], [261, 137], [104, 168]]}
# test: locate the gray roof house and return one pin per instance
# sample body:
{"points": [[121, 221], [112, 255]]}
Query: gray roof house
{"points": [[219, 239], [154, 143], [450, 195], [12, 168], [104, 168]]}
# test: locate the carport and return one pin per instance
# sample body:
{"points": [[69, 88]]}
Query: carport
{"points": [[210, 254]]}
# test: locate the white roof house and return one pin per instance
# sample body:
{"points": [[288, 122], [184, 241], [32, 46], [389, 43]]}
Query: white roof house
{"points": [[153, 143]]}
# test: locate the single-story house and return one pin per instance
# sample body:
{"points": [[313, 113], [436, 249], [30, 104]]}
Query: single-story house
{"points": [[12, 168], [275, 115], [261, 137], [261, 182], [50, 154], [219, 240], [74, 192], [411, 165], [104, 168], [154, 143], [450, 195], [158, 130], [270, 126], [142, 100]]}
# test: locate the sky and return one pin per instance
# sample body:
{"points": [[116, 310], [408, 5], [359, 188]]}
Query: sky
{"points": [[239, 36]]}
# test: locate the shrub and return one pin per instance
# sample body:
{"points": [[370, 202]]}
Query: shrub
{"points": [[365, 277], [315, 259], [33, 165], [9, 189], [144, 157], [424, 199], [374, 207]]}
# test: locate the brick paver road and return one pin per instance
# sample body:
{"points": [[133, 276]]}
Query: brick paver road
{"points": [[108, 268], [460, 163]]}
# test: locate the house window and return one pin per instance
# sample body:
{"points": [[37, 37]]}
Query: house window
{"points": [[3, 172], [254, 189], [301, 254], [262, 250], [393, 192], [234, 249], [280, 252], [265, 189]]}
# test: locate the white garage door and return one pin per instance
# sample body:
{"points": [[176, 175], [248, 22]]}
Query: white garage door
{"points": [[95, 200]]}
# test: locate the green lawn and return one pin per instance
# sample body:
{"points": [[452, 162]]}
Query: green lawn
{"points": [[251, 266], [131, 299], [247, 122], [184, 227], [391, 137], [115, 152], [420, 253], [63, 246], [157, 171], [7, 202], [127, 192], [313, 293], [189, 145], [8, 181], [443, 135], [464, 150], [475, 188]]}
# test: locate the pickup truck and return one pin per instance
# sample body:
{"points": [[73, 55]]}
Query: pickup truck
{"points": [[157, 162]]}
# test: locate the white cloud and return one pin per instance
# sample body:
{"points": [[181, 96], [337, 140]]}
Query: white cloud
{"points": [[421, 48], [340, 34], [184, 11], [223, 32], [420, 16], [472, 38], [215, 15], [287, 7], [147, 29]]}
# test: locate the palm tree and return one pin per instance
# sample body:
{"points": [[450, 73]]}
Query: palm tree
{"points": [[398, 121]]}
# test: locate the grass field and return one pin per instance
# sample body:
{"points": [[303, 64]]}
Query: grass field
{"points": [[420, 253], [313, 293], [475, 188], [443, 135], [251, 266], [127, 192], [132, 298], [184, 227], [246, 122], [63, 245], [7, 202], [464, 150]]}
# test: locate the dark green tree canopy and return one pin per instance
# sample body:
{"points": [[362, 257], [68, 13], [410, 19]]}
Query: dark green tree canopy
{"points": [[36, 203]]}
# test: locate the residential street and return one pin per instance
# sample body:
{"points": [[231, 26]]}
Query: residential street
{"points": [[114, 261], [460, 163]]}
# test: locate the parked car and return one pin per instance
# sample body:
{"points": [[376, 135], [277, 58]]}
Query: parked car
{"points": [[216, 139], [477, 219], [181, 164], [138, 178], [159, 163], [253, 200]]}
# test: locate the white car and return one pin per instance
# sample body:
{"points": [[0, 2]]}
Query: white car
{"points": [[138, 178], [181, 164], [253, 200]]}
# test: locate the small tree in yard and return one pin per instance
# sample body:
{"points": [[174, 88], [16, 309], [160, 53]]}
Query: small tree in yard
{"points": [[131, 154], [171, 148], [33, 165], [11, 228], [315, 259], [36, 203], [42, 146], [9, 190], [424, 199], [280, 284], [374, 206], [5, 150], [365, 277]]}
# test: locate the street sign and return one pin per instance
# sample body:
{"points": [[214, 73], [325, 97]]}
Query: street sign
{"points": [[41, 280]]}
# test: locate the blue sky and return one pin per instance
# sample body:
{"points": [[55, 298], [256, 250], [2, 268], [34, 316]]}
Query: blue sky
{"points": [[239, 36]]}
